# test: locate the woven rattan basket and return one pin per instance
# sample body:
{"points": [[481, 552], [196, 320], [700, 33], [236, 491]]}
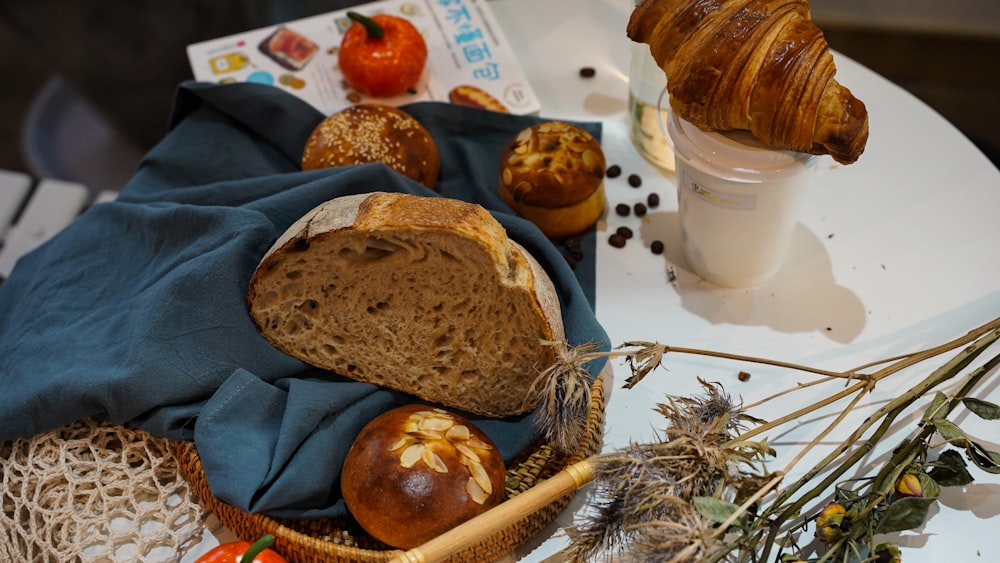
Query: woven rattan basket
{"points": [[344, 540]]}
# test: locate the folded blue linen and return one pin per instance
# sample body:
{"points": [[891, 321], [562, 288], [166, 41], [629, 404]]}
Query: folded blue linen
{"points": [[137, 311]]}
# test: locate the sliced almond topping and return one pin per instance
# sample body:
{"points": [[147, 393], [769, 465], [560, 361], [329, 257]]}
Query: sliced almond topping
{"points": [[411, 455], [476, 493], [467, 452], [429, 435], [434, 461], [436, 423], [458, 432], [591, 159], [533, 160], [412, 423], [400, 443], [478, 444], [481, 477]]}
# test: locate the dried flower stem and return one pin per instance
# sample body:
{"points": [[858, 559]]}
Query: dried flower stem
{"points": [[885, 416]]}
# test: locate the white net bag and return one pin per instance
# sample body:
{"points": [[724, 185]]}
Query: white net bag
{"points": [[94, 491]]}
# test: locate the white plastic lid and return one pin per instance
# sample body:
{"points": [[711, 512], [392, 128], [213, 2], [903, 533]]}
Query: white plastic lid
{"points": [[733, 155]]}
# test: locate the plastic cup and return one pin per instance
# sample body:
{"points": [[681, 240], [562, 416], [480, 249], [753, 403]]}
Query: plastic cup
{"points": [[738, 200]]}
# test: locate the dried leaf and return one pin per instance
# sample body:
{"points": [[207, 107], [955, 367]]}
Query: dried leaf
{"points": [[714, 509], [983, 409], [951, 432], [935, 409], [931, 489], [949, 470], [987, 460], [904, 514]]}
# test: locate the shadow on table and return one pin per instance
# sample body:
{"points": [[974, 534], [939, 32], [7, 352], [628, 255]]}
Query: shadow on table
{"points": [[797, 299]]}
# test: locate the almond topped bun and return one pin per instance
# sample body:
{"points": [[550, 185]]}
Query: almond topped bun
{"points": [[374, 133], [553, 175], [415, 472]]}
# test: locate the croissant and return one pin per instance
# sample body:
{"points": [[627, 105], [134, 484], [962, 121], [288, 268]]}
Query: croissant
{"points": [[756, 65]]}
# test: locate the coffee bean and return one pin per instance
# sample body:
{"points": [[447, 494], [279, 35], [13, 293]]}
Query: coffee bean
{"points": [[656, 246], [588, 72], [634, 180], [623, 209], [613, 171], [625, 232], [653, 200], [617, 240], [640, 209]]}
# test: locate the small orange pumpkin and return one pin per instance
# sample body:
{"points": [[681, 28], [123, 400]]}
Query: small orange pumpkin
{"points": [[382, 56]]}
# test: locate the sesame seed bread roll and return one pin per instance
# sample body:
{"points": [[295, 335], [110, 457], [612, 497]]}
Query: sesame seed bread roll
{"points": [[374, 133], [425, 295]]}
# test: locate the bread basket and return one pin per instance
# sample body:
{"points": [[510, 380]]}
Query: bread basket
{"points": [[343, 540]]}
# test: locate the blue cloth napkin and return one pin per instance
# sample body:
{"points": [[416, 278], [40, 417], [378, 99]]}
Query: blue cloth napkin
{"points": [[137, 311]]}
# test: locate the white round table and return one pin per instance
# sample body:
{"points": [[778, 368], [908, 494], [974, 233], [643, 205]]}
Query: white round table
{"points": [[893, 254]]}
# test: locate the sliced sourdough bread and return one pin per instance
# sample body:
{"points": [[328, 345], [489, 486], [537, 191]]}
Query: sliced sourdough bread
{"points": [[425, 295]]}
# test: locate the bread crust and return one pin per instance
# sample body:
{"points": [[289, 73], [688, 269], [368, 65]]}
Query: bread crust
{"points": [[425, 295], [366, 133], [553, 175]]}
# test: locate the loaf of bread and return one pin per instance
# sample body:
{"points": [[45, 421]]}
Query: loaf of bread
{"points": [[415, 472], [553, 175], [366, 133], [425, 295]]}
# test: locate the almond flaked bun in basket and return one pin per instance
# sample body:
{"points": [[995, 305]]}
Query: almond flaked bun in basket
{"points": [[757, 65], [374, 133], [425, 295], [553, 175], [415, 472]]}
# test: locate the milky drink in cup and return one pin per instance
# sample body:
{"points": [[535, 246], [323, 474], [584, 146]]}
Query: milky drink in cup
{"points": [[738, 202]]}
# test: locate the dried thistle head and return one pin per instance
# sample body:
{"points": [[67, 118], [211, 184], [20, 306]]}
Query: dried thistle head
{"points": [[563, 390], [644, 491], [630, 488], [648, 357], [685, 537], [713, 413]]}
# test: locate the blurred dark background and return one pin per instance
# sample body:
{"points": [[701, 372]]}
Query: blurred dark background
{"points": [[109, 68]]}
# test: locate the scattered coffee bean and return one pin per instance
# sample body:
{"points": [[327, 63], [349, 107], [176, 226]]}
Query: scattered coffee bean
{"points": [[623, 209], [625, 232], [640, 209], [588, 72], [574, 251], [634, 180], [613, 171], [653, 200], [617, 240], [656, 246], [743, 376]]}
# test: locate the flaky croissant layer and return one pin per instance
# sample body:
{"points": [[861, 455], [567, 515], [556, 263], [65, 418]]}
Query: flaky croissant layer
{"points": [[756, 65]]}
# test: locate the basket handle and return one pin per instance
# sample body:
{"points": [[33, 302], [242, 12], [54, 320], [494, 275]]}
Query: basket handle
{"points": [[473, 531]]}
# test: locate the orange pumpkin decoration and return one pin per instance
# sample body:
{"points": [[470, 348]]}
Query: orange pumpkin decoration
{"points": [[382, 56]]}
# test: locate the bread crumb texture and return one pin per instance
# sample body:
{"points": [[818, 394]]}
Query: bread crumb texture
{"points": [[421, 295]]}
